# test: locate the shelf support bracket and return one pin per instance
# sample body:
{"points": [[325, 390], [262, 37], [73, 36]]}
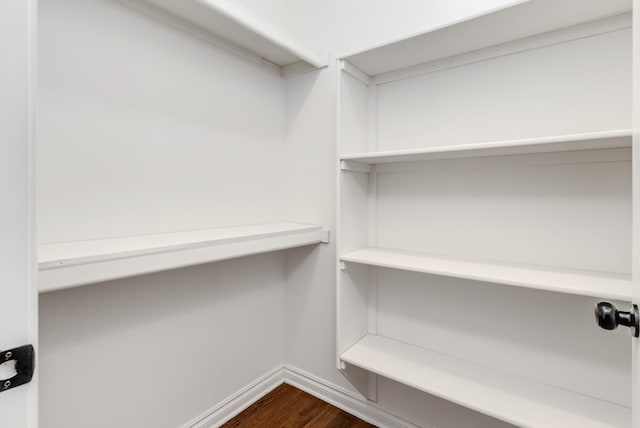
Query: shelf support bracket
{"points": [[355, 166], [355, 72], [298, 68]]}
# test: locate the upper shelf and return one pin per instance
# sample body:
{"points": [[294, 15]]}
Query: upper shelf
{"points": [[237, 25], [582, 283], [70, 264], [519, 20], [560, 143]]}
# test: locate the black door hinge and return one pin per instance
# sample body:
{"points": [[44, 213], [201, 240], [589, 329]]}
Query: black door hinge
{"points": [[24, 358]]}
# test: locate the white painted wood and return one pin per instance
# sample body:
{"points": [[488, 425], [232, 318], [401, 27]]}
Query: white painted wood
{"points": [[353, 291], [635, 343], [372, 223], [532, 17], [620, 155], [238, 25], [52, 256], [355, 166], [325, 236], [551, 144], [354, 71], [514, 399], [500, 149], [18, 289], [354, 296], [354, 120], [582, 283], [69, 264], [296, 69]]}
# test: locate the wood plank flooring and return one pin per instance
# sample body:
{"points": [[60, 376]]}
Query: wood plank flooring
{"points": [[289, 407]]}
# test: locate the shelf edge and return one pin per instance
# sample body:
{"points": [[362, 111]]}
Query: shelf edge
{"points": [[107, 269], [621, 293], [621, 139]]}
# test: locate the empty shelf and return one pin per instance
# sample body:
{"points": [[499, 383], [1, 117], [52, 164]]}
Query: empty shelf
{"points": [[504, 396], [560, 143], [70, 264], [583, 283], [239, 26], [519, 20]]}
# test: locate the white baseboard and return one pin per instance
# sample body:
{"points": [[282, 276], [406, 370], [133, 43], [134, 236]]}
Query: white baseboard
{"points": [[318, 387], [342, 399], [227, 409]]}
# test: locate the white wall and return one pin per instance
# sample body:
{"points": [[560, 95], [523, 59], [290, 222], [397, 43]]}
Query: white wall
{"points": [[269, 10], [145, 129], [159, 350], [310, 307]]}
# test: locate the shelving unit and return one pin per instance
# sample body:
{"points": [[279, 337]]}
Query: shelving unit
{"points": [[592, 284], [70, 264], [561, 143], [237, 29], [495, 149], [510, 398]]}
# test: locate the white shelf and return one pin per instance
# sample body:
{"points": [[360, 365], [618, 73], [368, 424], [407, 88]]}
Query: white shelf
{"points": [[520, 20], [504, 396], [71, 264], [231, 22], [560, 143], [583, 283]]}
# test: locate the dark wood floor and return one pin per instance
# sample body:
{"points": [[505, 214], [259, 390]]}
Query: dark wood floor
{"points": [[289, 407]]}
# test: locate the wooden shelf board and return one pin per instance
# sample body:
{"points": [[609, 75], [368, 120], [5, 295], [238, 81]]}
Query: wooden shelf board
{"points": [[501, 395], [518, 20], [239, 26], [561, 143], [582, 283], [70, 264]]}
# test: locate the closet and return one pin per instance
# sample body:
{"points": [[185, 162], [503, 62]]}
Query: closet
{"points": [[417, 232]]}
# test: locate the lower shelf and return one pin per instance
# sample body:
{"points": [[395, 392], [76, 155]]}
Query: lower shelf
{"points": [[70, 264], [501, 395], [583, 283]]}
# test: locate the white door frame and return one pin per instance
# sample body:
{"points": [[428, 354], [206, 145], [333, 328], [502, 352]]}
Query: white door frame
{"points": [[18, 262], [635, 371]]}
